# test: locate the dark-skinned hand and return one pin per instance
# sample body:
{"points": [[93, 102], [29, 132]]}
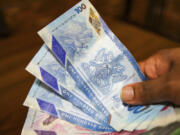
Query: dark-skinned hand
{"points": [[163, 70]]}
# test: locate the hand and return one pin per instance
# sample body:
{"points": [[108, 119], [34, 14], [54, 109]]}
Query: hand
{"points": [[163, 70]]}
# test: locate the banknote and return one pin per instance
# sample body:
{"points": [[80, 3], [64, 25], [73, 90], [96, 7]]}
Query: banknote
{"points": [[162, 116], [39, 123], [146, 119], [166, 116], [97, 61], [143, 122], [42, 98], [46, 68]]}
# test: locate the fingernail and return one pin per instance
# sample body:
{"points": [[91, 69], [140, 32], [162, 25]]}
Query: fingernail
{"points": [[127, 93]]}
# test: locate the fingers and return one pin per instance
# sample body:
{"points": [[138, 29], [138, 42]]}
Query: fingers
{"points": [[158, 68], [148, 67], [152, 91], [155, 66], [142, 66]]}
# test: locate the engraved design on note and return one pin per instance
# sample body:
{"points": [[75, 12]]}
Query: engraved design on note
{"points": [[105, 70], [75, 37]]}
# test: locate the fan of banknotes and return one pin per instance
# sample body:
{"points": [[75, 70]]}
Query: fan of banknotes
{"points": [[80, 70]]}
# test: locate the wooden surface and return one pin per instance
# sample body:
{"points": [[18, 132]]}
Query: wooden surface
{"points": [[18, 49]]}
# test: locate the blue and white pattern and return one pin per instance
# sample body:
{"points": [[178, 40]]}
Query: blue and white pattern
{"points": [[44, 99], [101, 69], [116, 100], [56, 70], [46, 68], [76, 36], [105, 70]]}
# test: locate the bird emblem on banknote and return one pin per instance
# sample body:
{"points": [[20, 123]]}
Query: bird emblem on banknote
{"points": [[105, 70]]}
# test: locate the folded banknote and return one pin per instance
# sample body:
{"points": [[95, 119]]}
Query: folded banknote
{"points": [[42, 98], [97, 61], [46, 68]]}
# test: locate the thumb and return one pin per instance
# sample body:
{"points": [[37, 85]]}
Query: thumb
{"points": [[151, 91]]}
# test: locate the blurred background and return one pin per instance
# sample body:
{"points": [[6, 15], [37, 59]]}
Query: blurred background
{"points": [[144, 26]]}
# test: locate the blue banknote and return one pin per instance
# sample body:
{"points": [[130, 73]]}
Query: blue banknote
{"points": [[143, 122], [42, 98], [46, 68], [97, 61]]}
